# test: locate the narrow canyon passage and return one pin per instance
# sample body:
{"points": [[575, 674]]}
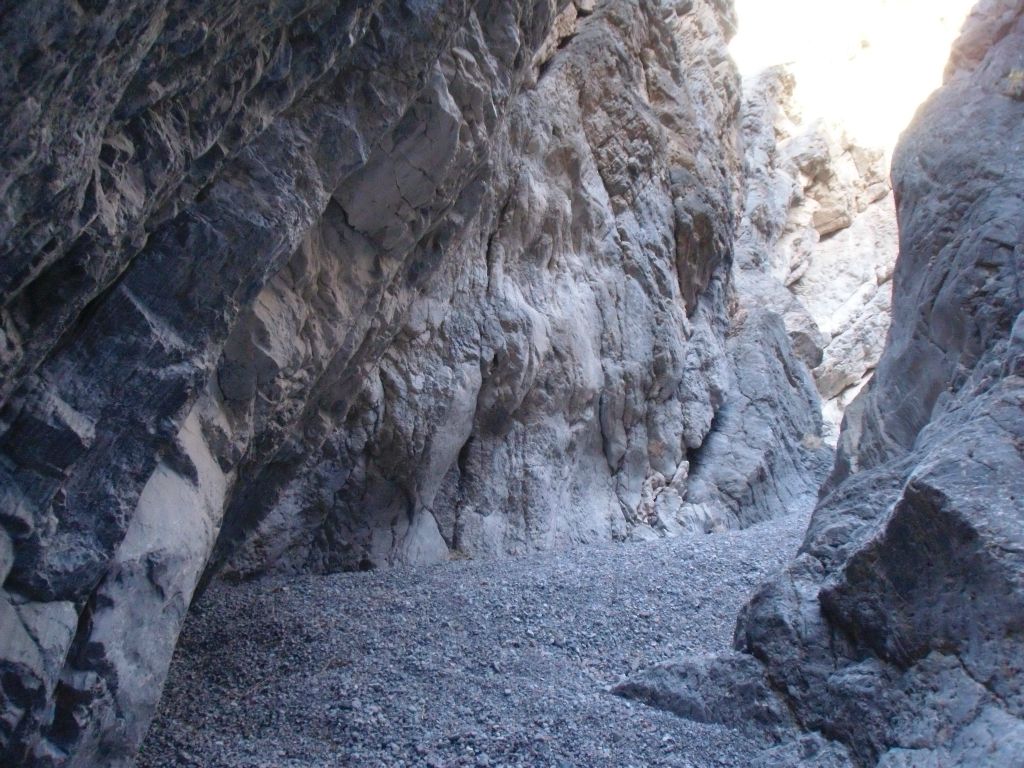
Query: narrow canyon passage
{"points": [[398, 357], [473, 663]]}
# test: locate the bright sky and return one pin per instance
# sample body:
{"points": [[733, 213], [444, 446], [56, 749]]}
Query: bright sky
{"points": [[866, 64]]}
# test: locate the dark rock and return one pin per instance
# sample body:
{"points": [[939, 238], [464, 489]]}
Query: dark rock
{"points": [[172, 162], [727, 689]]}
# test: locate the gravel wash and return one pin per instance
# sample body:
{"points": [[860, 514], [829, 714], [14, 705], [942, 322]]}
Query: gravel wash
{"points": [[470, 663]]}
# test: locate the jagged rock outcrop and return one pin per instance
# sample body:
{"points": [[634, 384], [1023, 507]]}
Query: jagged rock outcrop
{"points": [[331, 285], [817, 241], [765, 456], [898, 628]]}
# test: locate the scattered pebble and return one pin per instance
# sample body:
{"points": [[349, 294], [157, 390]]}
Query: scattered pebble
{"points": [[485, 663]]}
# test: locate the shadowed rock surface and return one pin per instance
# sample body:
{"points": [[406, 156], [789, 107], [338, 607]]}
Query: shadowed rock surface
{"points": [[898, 628]]}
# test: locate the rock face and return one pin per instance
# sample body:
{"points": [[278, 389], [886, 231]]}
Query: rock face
{"points": [[817, 241], [897, 630], [568, 351], [558, 378], [764, 456], [328, 285]]}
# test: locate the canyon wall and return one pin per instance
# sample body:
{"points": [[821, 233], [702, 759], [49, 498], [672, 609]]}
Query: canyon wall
{"points": [[817, 240], [559, 379], [897, 630], [314, 286], [320, 286], [550, 378]]}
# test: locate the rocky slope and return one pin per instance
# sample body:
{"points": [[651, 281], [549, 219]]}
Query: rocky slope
{"points": [[897, 629], [319, 286]]}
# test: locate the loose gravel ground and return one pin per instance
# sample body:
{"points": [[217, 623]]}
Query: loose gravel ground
{"points": [[470, 663]]}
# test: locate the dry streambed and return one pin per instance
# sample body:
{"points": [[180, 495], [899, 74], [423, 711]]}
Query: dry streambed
{"points": [[481, 663]]}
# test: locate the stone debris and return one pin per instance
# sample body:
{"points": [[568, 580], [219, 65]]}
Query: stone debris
{"points": [[484, 662]]}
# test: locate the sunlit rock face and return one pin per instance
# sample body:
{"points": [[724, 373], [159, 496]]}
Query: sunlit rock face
{"points": [[817, 240], [560, 379], [827, 90], [897, 629], [853, 62], [337, 285]]}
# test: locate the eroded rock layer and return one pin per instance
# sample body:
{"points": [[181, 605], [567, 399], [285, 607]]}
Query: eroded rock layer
{"points": [[567, 352], [898, 628]]}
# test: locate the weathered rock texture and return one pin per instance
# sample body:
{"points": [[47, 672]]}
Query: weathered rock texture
{"points": [[899, 629], [817, 240], [330, 285], [569, 350], [764, 456]]}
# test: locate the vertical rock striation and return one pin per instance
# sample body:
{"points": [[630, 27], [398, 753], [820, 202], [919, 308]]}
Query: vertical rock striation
{"points": [[817, 240], [567, 351]]}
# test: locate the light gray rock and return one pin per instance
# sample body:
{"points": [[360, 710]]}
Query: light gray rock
{"points": [[818, 239], [764, 456], [111, 681], [809, 751], [568, 351], [896, 630]]}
